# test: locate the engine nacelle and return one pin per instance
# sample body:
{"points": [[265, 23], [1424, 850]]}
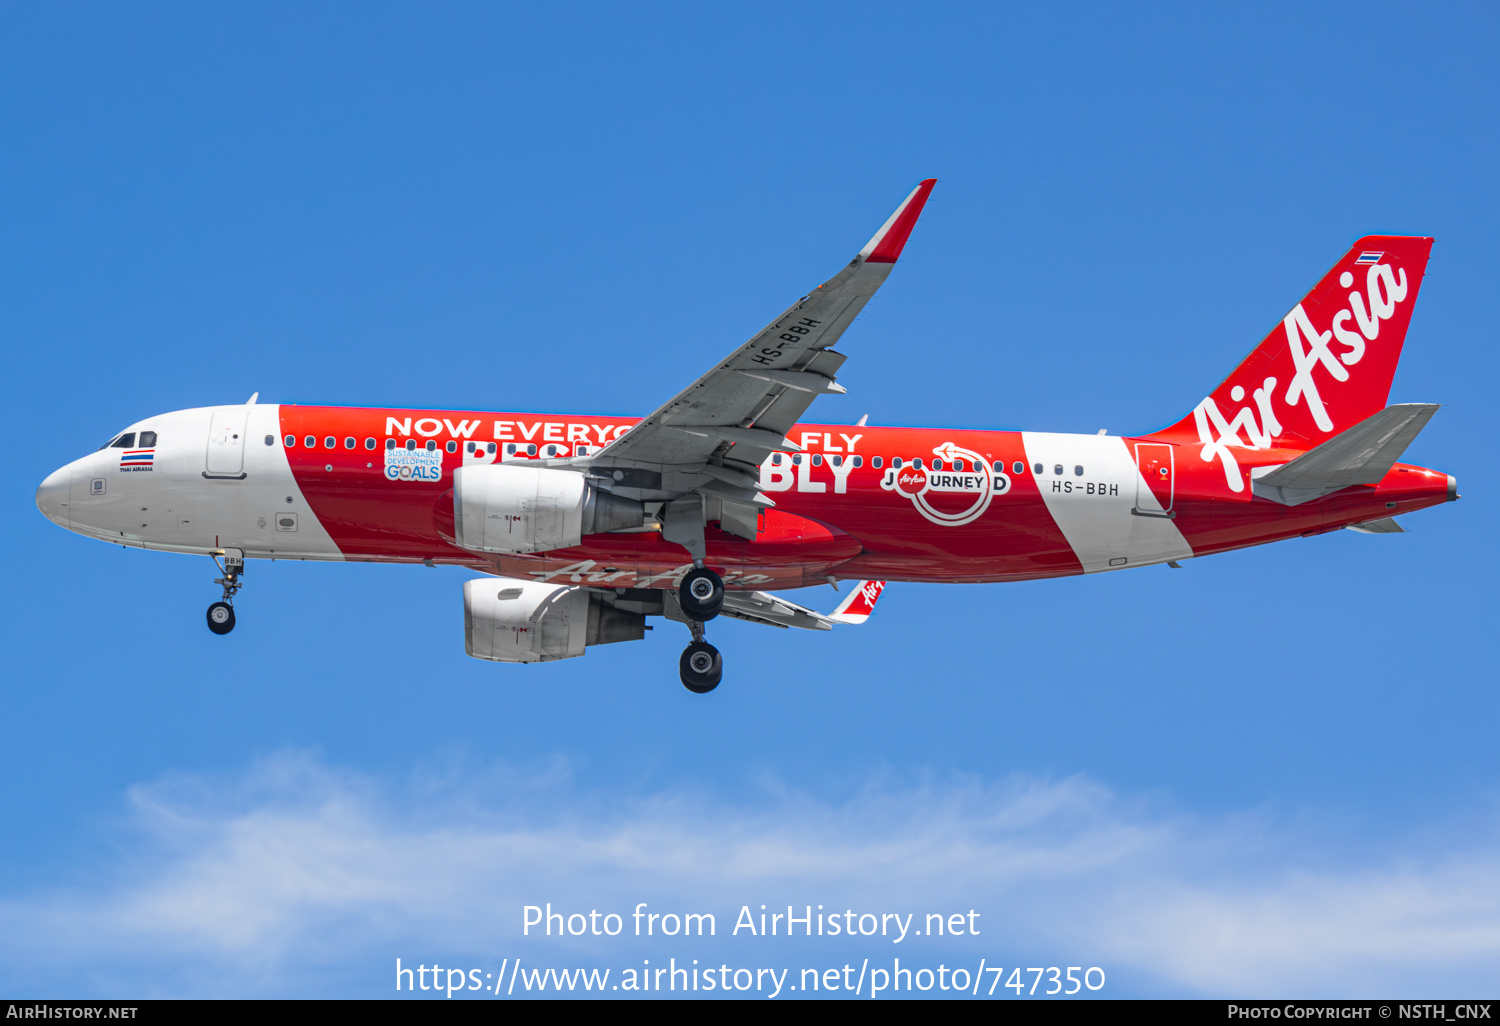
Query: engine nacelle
{"points": [[510, 621], [512, 508]]}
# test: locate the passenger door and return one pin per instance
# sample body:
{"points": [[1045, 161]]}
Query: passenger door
{"points": [[1155, 483], [226, 444]]}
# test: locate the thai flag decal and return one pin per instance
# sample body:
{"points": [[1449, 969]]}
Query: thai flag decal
{"points": [[1369, 258], [137, 459]]}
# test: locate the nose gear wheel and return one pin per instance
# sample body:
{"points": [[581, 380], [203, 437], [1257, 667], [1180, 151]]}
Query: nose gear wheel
{"points": [[221, 618]]}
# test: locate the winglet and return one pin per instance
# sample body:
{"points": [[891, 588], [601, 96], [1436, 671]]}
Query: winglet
{"points": [[859, 603], [887, 244]]}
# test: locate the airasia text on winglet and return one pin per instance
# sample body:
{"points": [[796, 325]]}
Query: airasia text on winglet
{"points": [[814, 923]]}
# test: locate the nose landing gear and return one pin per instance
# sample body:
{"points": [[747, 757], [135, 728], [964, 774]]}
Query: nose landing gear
{"points": [[221, 613]]}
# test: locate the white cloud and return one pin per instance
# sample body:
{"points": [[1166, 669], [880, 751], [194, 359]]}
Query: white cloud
{"points": [[297, 877]]}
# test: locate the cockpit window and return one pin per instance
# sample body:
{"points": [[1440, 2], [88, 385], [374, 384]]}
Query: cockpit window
{"points": [[148, 439], [125, 441]]}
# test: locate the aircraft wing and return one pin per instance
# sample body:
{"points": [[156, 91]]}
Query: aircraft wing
{"points": [[774, 611], [712, 437]]}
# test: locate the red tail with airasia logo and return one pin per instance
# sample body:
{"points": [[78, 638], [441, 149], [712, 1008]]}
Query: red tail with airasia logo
{"points": [[1328, 365]]}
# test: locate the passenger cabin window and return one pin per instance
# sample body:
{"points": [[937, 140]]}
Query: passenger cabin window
{"points": [[369, 443], [148, 439], [937, 464], [775, 459], [270, 439], [349, 442], [875, 461], [490, 448], [1057, 469], [469, 447], [310, 442], [917, 463], [390, 443], [330, 442], [837, 461], [1037, 468], [431, 446], [411, 445], [817, 459], [1077, 471], [125, 441], [453, 447], [797, 459], [859, 461], [290, 441], [1018, 467]]}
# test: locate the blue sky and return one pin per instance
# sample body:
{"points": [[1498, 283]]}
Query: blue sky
{"points": [[1272, 772]]}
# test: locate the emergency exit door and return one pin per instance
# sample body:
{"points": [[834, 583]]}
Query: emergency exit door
{"points": [[1154, 488]]}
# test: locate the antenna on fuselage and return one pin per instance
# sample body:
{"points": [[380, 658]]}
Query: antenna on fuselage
{"points": [[862, 421], [253, 396]]}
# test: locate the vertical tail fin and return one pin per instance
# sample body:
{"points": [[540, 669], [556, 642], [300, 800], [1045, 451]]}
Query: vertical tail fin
{"points": [[1327, 366]]}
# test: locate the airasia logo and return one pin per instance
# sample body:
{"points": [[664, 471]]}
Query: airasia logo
{"points": [[963, 472], [1254, 425]]}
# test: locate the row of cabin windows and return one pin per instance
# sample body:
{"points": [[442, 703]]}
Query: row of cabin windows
{"points": [[128, 441], [960, 466], [148, 439], [511, 449]]}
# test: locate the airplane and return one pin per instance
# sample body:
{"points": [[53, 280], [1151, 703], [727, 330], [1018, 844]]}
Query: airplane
{"points": [[585, 526]]}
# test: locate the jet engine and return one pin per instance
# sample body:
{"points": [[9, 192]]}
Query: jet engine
{"points": [[510, 621], [511, 508]]}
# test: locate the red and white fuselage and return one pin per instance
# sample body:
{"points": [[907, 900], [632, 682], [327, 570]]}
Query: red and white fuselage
{"points": [[335, 483]]}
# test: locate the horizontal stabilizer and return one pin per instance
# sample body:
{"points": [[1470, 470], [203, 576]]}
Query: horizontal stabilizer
{"points": [[1362, 455], [1385, 525]]}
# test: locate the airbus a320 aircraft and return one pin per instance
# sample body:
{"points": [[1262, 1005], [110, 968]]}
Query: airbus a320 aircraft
{"points": [[587, 525]]}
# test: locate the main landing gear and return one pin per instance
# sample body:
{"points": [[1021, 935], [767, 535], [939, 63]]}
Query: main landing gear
{"points": [[701, 597], [221, 613]]}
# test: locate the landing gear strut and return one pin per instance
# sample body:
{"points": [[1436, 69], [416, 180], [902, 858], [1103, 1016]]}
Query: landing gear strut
{"points": [[221, 613]]}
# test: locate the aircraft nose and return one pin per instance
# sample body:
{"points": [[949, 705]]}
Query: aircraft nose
{"points": [[52, 496]]}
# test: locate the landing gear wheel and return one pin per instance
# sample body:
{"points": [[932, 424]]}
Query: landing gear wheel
{"points": [[221, 618], [701, 667], [701, 595]]}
